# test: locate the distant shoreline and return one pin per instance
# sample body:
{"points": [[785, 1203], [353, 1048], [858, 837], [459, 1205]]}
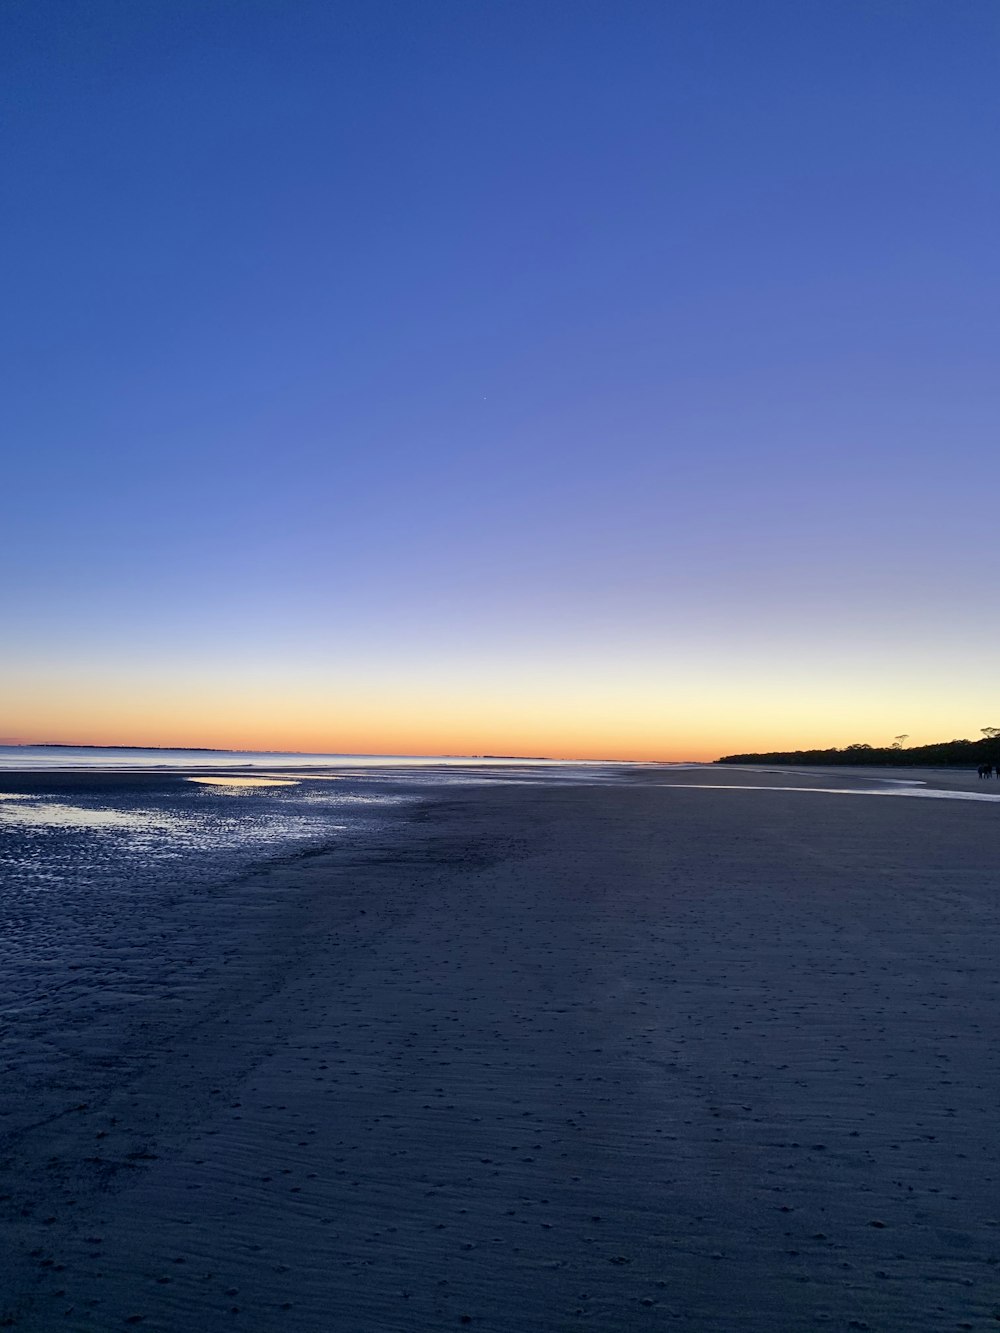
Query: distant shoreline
{"points": [[942, 754], [218, 749], [71, 745]]}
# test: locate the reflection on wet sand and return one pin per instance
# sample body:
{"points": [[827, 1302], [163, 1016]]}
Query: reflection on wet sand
{"points": [[901, 790], [49, 814]]}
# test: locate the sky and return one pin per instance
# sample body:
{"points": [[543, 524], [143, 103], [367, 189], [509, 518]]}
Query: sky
{"points": [[589, 378]]}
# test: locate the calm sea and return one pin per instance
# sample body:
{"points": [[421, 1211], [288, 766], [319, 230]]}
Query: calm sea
{"points": [[89, 757]]}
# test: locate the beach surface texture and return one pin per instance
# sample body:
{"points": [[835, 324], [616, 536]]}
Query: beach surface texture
{"points": [[673, 1050]]}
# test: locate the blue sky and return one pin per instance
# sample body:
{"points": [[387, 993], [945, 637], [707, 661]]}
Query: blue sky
{"points": [[587, 343]]}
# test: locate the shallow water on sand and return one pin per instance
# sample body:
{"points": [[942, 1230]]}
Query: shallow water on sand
{"points": [[892, 787], [127, 842], [104, 872], [126, 898], [112, 906]]}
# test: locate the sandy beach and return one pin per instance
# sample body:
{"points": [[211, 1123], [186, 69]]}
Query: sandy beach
{"points": [[626, 1056]]}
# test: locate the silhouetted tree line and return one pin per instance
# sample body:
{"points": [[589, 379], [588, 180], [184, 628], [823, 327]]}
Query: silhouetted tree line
{"points": [[943, 754]]}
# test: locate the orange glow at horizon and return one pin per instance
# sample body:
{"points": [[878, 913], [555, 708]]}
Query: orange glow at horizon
{"points": [[685, 720]]}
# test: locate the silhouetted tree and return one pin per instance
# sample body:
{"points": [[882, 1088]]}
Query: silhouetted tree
{"points": [[961, 753]]}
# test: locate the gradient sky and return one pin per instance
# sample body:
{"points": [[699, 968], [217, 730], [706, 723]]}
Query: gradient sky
{"points": [[545, 376]]}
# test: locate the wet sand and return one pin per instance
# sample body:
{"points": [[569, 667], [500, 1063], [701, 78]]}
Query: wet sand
{"points": [[625, 1057]]}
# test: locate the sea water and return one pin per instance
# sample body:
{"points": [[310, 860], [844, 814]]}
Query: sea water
{"points": [[91, 757]]}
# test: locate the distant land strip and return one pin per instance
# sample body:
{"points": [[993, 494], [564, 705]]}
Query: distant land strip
{"points": [[959, 754], [76, 745]]}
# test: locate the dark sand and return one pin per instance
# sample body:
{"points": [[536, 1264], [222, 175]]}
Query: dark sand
{"points": [[611, 1056]]}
